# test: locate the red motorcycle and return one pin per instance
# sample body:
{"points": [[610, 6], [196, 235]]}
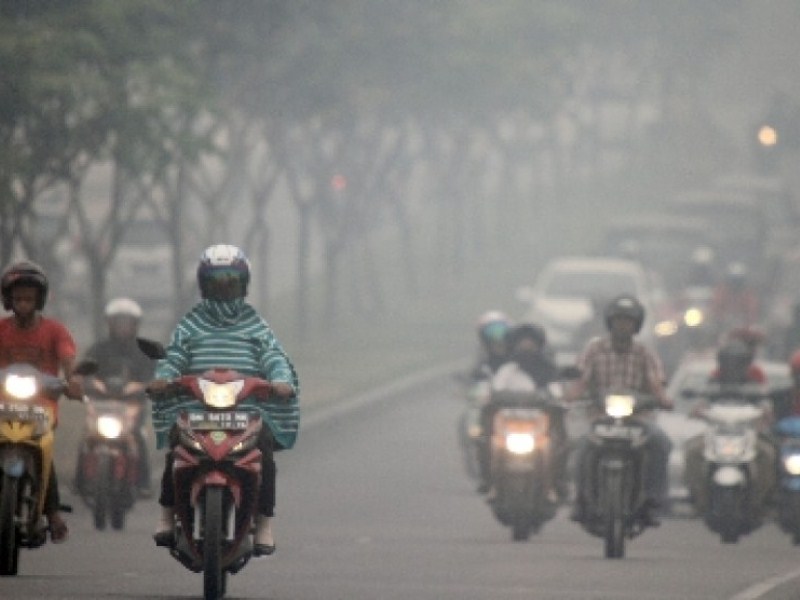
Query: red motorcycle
{"points": [[109, 452], [216, 473]]}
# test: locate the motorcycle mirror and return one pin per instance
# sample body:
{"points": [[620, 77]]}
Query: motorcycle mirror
{"points": [[151, 348]]}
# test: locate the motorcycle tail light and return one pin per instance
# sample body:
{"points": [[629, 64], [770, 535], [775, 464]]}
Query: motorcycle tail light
{"points": [[109, 427], [220, 395], [792, 464], [520, 443], [619, 405], [20, 387]]}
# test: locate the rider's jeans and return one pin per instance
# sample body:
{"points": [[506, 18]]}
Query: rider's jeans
{"points": [[658, 447]]}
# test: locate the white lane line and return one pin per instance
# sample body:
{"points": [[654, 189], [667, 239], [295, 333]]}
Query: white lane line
{"points": [[339, 408], [760, 589]]}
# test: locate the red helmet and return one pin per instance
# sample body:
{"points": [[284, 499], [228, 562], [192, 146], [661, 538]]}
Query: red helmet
{"points": [[24, 273]]}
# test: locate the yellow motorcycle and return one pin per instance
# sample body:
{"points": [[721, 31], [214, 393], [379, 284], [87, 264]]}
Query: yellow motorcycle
{"points": [[28, 402]]}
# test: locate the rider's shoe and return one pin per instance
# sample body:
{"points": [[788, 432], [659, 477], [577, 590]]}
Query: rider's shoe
{"points": [[58, 528], [165, 530], [263, 543]]}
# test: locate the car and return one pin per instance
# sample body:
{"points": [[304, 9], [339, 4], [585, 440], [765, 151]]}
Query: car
{"points": [[662, 242], [689, 379], [570, 292]]}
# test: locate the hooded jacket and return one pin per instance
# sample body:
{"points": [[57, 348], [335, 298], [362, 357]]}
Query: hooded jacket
{"points": [[228, 334]]}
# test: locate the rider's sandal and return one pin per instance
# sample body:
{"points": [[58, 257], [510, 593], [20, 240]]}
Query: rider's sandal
{"points": [[264, 544], [59, 532]]}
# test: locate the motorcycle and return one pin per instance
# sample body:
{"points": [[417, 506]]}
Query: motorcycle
{"points": [[613, 488], [732, 498], [109, 452], [521, 461], [788, 492], [217, 461], [27, 418]]}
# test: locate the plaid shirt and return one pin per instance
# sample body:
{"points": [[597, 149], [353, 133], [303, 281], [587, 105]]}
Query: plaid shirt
{"points": [[605, 369]]}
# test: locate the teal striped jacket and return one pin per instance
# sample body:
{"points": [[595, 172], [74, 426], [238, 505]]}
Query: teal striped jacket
{"points": [[214, 335]]}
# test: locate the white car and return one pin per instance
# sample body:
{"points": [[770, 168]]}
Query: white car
{"points": [[569, 292]]}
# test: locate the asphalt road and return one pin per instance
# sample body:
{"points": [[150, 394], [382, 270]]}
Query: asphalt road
{"points": [[374, 503]]}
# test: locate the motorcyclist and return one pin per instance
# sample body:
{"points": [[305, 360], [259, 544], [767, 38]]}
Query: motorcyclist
{"points": [[618, 361], [734, 302], [29, 337], [223, 331], [786, 402], [735, 367], [530, 367], [701, 272], [492, 328], [118, 356]]}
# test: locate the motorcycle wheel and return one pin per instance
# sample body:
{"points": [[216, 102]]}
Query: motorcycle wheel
{"points": [[726, 506], [520, 530], [117, 515], [614, 515], [9, 540], [794, 512], [102, 492], [213, 576]]}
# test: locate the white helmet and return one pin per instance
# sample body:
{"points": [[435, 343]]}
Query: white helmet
{"points": [[123, 307]]}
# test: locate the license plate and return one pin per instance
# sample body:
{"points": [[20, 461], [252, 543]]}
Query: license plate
{"points": [[219, 420], [22, 412], [615, 430]]}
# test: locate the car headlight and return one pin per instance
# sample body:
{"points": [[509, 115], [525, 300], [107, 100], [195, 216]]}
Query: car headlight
{"points": [[220, 395], [520, 443], [20, 387], [693, 317], [110, 427], [666, 328], [791, 463], [619, 405]]}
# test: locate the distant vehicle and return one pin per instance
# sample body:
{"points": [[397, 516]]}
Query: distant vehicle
{"points": [[691, 377], [736, 223], [659, 241], [570, 291]]}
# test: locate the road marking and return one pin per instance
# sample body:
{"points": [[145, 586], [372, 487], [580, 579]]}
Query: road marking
{"points": [[335, 409], [760, 589]]}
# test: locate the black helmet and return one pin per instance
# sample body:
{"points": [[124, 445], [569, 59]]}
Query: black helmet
{"points": [[527, 331], [734, 356], [24, 273], [223, 273], [625, 306]]}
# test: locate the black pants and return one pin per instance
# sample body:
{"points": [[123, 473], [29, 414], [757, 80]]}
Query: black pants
{"points": [[266, 495], [52, 499]]}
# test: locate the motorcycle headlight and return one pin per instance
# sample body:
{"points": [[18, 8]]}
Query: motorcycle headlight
{"points": [[220, 395], [20, 387], [729, 446], [619, 405], [792, 464], [693, 317], [109, 427], [520, 443]]}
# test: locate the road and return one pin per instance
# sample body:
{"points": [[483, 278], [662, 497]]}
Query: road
{"points": [[375, 504]]}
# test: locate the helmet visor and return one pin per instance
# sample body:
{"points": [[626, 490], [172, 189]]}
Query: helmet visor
{"points": [[495, 332], [223, 284]]}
